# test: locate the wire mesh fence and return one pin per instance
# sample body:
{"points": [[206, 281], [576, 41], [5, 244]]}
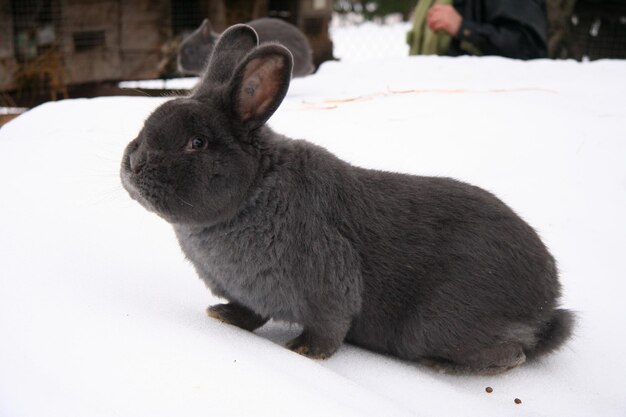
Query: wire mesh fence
{"points": [[599, 32], [352, 43]]}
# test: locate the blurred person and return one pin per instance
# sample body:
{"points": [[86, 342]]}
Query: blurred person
{"points": [[509, 28], [421, 39]]}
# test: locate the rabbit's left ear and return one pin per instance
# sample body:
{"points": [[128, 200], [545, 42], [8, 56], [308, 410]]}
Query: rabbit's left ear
{"points": [[231, 47], [206, 29], [260, 83]]}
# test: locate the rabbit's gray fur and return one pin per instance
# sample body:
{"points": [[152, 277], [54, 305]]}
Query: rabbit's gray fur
{"points": [[422, 268], [194, 51]]}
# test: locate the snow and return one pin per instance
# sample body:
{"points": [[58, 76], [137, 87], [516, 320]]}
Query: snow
{"points": [[100, 315], [368, 40], [11, 110], [186, 83]]}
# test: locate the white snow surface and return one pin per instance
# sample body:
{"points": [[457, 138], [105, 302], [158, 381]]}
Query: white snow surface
{"points": [[183, 83], [101, 315]]}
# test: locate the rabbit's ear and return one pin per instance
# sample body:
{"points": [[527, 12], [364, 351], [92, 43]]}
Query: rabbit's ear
{"points": [[260, 84], [229, 50], [206, 29]]}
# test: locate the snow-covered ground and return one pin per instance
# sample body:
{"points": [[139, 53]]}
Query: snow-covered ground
{"points": [[11, 110], [100, 315]]}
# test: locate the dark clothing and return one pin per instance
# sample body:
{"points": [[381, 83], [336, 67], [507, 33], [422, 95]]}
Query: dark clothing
{"points": [[510, 28]]}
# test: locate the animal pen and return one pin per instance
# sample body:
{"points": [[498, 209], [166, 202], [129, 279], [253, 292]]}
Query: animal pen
{"points": [[49, 47]]}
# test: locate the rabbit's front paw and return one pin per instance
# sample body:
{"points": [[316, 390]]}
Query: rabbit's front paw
{"points": [[312, 346], [237, 315]]}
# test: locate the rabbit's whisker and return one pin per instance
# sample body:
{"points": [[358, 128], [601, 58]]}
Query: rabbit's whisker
{"points": [[181, 199]]}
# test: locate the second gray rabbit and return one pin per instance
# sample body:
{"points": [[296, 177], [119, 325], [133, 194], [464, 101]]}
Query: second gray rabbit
{"points": [[195, 50], [423, 268]]}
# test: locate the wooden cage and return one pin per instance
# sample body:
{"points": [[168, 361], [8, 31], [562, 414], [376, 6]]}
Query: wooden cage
{"points": [[53, 44]]}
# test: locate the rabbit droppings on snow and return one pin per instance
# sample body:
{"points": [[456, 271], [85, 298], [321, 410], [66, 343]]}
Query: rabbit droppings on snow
{"points": [[195, 49], [423, 268]]}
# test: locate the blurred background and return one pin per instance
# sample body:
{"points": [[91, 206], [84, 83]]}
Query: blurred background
{"points": [[56, 49]]}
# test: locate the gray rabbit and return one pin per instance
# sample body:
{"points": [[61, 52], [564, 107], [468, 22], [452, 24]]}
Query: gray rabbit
{"points": [[423, 268], [195, 49]]}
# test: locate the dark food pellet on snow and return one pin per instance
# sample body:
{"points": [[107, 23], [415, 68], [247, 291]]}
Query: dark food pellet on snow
{"points": [[518, 401], [489, 390]]}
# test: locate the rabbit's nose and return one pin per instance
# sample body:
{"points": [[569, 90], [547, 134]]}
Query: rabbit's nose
{"points": [[137, 162]]}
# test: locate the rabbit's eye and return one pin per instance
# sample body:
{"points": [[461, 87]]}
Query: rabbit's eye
{"points": [[197, 143]]}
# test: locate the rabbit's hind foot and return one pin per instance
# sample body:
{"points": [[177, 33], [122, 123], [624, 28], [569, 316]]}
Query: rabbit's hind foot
{"points": [[491, 360]]}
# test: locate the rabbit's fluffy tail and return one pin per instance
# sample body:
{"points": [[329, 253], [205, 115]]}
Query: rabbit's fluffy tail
{"points": [[554, 333]]}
